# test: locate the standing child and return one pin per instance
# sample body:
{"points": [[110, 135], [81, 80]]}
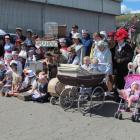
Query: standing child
{"points": [[16, 79]]}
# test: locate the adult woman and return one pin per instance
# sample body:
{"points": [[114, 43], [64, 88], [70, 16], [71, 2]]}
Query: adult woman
{"points": [[104, 57], [123, 55], [8, 48], [64, 47], [79, 48], [96, 37]]}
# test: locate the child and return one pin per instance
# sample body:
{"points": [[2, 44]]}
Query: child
{"points": [[6, 89], [87, 63], [29, 79], [131, 94], [16, 79], [95, 65], [40, 88], [72, 57], [2, 72]]}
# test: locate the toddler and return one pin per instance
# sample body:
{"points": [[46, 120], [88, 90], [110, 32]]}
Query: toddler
{"points": [[131, 94]]}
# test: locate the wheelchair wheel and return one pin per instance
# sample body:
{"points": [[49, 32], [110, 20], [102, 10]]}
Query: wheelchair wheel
{"points": [[68, 97], [97, 98], [84, 103]]}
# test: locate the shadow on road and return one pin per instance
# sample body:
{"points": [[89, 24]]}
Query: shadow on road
{"points": [[107, 110]]}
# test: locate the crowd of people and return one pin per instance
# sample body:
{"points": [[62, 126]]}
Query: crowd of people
{"points": [[112, 53]]}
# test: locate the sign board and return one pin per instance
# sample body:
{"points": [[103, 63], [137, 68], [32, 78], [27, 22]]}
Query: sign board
{"points": [[47, 44]]}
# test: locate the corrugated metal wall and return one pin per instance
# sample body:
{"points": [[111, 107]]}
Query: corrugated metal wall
{"points": [[89, 20], [93, 5], [107, 6], [14, 13]]}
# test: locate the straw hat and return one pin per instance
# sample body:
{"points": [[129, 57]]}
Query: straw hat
{"points": [[76, 36]]}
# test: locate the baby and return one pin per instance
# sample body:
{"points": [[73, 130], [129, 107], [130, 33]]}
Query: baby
{"points": [[131, 94], [95, 65], [87, 63]]}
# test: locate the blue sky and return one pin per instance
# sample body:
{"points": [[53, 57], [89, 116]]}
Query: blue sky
{"points": [[132, 6]]}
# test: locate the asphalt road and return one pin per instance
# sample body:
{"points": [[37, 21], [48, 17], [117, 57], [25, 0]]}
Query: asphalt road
{"points": [[31, 121]]}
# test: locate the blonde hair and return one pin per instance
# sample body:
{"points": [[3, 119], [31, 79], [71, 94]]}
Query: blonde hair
{"points": [[95, 61], [86, 57]]}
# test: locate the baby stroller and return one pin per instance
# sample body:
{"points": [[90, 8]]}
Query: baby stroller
{"points": [[76, 78], [135, 106]]}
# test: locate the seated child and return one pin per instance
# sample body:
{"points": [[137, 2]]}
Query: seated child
{"points": [[95, 65], [29, 79], [40, 88], [6, 89], [131, 94], [87, 63], [2, 73]]}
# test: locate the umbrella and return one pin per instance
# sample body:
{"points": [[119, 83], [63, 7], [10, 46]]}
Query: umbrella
{"points": [[2, 32]]}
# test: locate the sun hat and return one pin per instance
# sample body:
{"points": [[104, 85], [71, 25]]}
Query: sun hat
{"points": [[23, 54], [19, 29], [121, 34], [101, 43], [7, 37], [29, 72], [76, 36], [29, 30], [135, 82], [13, 62], [62, 40], [104, 33], [15, 53], [84, 31]]}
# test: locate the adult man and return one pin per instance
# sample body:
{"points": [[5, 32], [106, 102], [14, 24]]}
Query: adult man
{"points": [[73, 31], [87, 42]]}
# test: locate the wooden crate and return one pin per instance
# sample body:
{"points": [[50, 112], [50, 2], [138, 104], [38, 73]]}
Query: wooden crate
{"points": [[62, 31]]}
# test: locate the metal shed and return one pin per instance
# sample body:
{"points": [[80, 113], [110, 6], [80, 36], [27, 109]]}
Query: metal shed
{"points": [[94, 15]]}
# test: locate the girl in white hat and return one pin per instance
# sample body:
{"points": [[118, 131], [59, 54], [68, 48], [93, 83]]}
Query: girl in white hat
{"points": [[79, 48]]}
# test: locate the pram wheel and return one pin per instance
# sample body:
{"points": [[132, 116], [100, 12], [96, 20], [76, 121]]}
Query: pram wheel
{"points": [[97, 98], [68, 97], [53, 100], [84, 103]]}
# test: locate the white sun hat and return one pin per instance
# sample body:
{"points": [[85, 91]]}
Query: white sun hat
{"points": [[76, 36]]}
